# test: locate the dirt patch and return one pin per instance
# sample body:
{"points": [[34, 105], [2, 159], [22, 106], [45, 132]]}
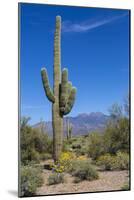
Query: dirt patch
{"points": [[108, 180]]}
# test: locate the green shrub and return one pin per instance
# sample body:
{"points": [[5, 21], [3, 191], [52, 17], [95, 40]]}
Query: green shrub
{"points": [[83, 170], [56, 178], [82, 151], [95, 145], [123, 160], [120, 161], [30, 179], [107, 162], [29, 155], [33, 143], [116, 136]]}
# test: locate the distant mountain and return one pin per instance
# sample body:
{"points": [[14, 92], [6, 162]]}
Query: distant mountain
{"points": [[82, 124]]}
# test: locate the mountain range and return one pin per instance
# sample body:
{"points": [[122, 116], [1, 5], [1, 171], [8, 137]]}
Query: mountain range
{"points": [[82, 124]]}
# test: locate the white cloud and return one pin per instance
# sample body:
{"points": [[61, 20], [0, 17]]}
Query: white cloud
{"points": [[68, 26]]}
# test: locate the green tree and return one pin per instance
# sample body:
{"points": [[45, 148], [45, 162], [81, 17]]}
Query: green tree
{"points": [[116, 112]]}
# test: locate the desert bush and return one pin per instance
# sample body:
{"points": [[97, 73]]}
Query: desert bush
{"points": [[42, 142], [95, 145], [57, 167], [116, 136], [82, 157], [78, 145], [66, 159], [55, 178], [29, 155], [33, 143], [120, 161], [83, 150], [30, 179], [63, 163], [107, 162], [83, 170]]}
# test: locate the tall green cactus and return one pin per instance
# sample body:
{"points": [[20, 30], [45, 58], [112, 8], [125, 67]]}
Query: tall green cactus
{"points": [[63, 94], [69, 129]]}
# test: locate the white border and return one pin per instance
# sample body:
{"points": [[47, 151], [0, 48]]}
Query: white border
{"points": [[9, 96]]}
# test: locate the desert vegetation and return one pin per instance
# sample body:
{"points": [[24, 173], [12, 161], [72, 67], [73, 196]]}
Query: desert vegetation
{"points": [[48, 163], [83, 158]]}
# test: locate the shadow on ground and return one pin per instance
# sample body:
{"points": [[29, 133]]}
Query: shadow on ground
{"points": [[13, 192]]}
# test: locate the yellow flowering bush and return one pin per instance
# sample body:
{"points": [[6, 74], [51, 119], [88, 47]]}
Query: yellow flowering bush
{"points": [[63, 163], [66, 159], [82, 157], [58, 168], [67, 156]]}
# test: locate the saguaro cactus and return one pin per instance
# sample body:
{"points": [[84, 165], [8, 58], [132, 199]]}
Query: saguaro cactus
{"points": [[69, 129], [63, 94]]}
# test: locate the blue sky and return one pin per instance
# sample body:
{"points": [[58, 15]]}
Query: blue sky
{"points": [[95, 49]]}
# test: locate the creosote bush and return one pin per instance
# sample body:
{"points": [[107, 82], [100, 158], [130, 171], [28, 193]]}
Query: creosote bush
{"points": [[120, 161], [31, 179], [83, 170], [55, 178]]}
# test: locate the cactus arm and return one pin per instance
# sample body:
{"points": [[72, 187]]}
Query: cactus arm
{"points": [[46, 85], [69, 88], [71, 101], [64, 89], [57, 55]]}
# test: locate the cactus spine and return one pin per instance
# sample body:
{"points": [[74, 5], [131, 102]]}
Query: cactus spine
{"points": [[63, 94]]}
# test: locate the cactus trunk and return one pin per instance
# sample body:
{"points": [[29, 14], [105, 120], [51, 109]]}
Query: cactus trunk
{"points": [[57, 118], [62, 96]]}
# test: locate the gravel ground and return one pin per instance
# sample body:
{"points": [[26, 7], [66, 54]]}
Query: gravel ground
{"points": [[108, 180]]}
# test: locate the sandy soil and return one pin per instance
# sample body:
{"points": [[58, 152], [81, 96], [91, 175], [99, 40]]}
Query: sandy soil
{"points": [[109, 180]]}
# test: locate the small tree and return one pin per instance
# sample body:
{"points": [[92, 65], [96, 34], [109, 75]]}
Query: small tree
{"points": [[116, 112]]}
